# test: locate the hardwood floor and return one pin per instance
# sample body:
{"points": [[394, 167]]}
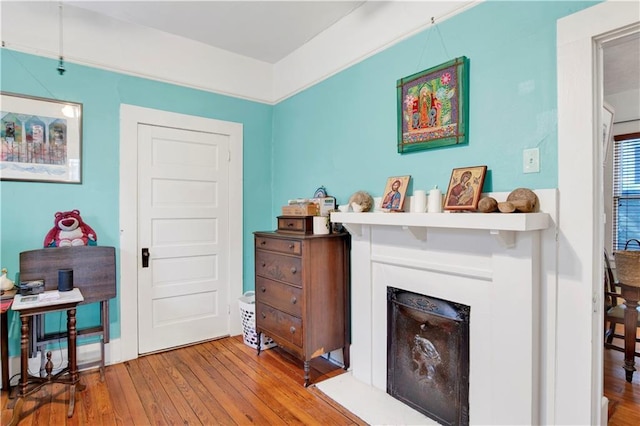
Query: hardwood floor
{"points": [[624, 397], [221, 382], [224, 383]]}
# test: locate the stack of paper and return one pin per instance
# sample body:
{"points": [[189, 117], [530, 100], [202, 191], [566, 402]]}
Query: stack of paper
{"points": [[49, 295]]}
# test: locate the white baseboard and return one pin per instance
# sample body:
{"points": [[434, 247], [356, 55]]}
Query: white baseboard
{"points": [[87, 353]]}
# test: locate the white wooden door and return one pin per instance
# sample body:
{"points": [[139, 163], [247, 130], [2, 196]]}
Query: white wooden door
{"points": [[183, 216]]}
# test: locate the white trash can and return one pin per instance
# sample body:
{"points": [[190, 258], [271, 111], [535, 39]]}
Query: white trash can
{"points": [[248, 315]]}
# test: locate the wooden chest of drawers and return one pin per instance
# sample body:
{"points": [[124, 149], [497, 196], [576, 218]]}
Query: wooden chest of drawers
{"points": [[302, 293]]}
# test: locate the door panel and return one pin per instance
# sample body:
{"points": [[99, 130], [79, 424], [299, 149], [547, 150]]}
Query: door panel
{"points": [[183, 296]]}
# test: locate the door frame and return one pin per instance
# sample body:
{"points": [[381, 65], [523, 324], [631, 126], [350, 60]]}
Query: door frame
{"points": [[578, 381], [130, 117]]}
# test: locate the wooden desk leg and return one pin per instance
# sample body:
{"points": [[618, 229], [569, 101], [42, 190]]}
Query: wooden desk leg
{"points": [[24, 371], [630, 326], [4, 339], [71, 354], [346, 356], [24, 356], [306, 373]]}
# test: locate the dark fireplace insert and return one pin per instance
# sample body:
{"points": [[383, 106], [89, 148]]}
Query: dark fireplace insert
{"points": [[428, 355]]}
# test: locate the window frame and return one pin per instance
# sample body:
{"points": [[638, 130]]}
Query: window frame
{"points": [[617, 194]]}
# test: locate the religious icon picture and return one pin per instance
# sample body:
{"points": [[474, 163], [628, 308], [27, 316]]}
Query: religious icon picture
{"points": [[465, 188], [394, 193], [433, 107]]}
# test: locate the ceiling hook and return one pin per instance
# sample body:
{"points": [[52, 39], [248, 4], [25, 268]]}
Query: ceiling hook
{"points": [[60, 67]]}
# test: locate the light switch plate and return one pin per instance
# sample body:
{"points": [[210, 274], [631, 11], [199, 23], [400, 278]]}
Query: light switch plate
{"points": [[531, 160]]}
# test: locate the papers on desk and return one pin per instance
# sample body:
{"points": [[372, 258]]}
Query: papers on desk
{"points": [[47, 298]]}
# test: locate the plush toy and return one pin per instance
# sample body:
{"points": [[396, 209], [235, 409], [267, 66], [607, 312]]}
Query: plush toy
{"points": [[70, 230]]}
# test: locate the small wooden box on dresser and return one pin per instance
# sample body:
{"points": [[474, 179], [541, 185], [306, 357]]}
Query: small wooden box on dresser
{"points": [[302, 290]]}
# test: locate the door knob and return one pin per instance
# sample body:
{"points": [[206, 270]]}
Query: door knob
{"points": [[145, 257]]}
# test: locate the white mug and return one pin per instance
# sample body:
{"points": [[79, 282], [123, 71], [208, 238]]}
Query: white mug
{"points": [[320, 225]]}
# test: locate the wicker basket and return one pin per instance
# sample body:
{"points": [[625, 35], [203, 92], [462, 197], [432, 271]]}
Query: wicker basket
{"points": [[628, 265]]}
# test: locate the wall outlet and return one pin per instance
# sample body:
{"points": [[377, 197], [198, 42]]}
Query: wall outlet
{"points": [[531, 160]]}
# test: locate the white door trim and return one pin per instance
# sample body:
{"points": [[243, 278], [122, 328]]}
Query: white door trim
{"points": [[130, 116], [578, 373]]}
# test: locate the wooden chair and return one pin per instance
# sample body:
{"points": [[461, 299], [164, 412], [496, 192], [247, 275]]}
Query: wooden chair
{"points": [[614, 309], [94, 273]]}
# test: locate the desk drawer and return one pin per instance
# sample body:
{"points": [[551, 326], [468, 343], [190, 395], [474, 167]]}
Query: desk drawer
{"points": [[285, 297], [296, 224], [279, 325], [279, 267], [276, 244]]}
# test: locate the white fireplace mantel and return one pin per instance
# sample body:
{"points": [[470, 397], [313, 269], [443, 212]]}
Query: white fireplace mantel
{"points": [[501, 225], [497, 263]]}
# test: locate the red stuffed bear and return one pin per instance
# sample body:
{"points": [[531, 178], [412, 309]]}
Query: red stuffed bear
{"points": [[70, 230]]}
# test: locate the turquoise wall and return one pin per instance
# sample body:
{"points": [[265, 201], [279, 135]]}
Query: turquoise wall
{"points": [[28, 208], [342, 132]]}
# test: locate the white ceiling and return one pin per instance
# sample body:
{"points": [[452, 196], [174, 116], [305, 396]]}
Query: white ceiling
{"points": [[622, 65], [270, 30], [263, 30]]}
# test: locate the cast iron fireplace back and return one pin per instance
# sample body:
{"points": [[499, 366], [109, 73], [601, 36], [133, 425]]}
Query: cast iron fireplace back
{"points": [[428, 355]]}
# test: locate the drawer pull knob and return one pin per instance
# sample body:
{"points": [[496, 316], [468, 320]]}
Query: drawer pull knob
{"points": [[290, 225], [294, 300], [262, 289], [292, 330], [263, 242], [264, 264], [291, 246], [294, 270], [264, 315]]}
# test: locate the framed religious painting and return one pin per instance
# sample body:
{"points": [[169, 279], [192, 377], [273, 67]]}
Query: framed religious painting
{"points": [[41, 139], [465, 187], [433, 107], [395, 193]]}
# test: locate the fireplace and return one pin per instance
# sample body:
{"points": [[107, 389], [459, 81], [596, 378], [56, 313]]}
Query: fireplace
{"points": [[496, 264], [428, 355]]}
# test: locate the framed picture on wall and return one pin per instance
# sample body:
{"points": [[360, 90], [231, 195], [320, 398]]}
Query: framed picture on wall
{"points": [[394, 193], [465, 188], [433, 107], [41, 139]]}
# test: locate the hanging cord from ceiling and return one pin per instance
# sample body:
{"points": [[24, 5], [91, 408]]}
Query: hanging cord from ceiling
{"points": [[61, 69], [26, 68], [426, 43]]}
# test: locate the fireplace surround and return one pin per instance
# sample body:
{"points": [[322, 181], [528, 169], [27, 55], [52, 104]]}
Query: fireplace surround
{"points": [[494, 263]]}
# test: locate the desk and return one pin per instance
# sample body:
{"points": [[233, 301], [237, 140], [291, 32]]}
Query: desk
{"points": [[68, 301], [94, 273], [631, 295]]}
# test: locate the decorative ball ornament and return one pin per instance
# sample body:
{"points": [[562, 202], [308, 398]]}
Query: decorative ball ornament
{"points": [[524, 200], [487, 205], [361, 201]]}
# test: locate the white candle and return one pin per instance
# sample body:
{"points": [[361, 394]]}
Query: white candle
{"points": [[419, 201], [435, 201]]}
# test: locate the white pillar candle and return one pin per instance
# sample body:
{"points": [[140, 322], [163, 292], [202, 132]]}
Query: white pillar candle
{"points": [[419, 201], [435, 201]]}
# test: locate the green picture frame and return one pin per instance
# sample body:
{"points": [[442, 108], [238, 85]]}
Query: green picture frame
{"points": [[433, 107]]}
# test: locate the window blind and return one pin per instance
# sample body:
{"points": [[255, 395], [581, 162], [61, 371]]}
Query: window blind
{"points": [[626, 193]]}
